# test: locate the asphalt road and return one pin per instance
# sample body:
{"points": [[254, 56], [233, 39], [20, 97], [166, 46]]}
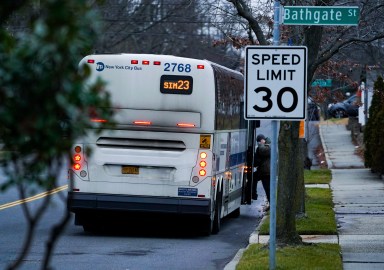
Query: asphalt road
{"points": [[153, 246]]}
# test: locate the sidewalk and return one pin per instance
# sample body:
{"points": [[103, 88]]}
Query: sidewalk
{"points": [[358, 196]]}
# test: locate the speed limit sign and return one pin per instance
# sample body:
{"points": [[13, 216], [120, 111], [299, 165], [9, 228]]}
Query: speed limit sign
{"points": [[275, 82]]}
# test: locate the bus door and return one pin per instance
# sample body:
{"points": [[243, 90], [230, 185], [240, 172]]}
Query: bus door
{"points": [[246, 197]]}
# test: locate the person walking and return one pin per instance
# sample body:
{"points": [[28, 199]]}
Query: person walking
{"points": [[262, 162]]}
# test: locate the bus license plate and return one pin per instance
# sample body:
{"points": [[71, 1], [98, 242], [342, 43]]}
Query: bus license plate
{"points": [[130, 170]]}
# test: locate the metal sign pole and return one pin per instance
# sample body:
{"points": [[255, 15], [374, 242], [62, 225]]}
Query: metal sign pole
{"points": [[272, 224]]}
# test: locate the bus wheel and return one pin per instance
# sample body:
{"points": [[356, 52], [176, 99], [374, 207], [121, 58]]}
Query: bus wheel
{"points": [[217, 220]]}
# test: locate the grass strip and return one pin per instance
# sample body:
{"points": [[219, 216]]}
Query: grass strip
{"points": [[320, 217], [315, 256], [321, 176]]}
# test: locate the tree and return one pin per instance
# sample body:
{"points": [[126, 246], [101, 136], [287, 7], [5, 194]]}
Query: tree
{"points": [[45, 103], [373, 132], [176, 27], [340, 39]]}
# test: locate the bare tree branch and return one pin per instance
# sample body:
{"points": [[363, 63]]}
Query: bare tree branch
{"points": [[244, 11]]}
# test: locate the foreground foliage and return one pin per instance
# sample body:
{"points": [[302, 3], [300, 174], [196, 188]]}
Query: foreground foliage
{"points": [[45, 105]]}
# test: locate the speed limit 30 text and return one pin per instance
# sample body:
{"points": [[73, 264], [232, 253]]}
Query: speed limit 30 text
{"points": [[275, 60]]}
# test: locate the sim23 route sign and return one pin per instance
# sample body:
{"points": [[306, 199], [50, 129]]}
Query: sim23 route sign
{"points": [[275, 82]]}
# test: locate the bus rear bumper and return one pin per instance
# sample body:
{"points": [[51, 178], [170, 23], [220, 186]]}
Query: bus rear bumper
{"points": [[84, 202]]}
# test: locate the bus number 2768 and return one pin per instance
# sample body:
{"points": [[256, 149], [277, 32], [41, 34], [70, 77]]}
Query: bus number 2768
{"points": [[177, 67]]}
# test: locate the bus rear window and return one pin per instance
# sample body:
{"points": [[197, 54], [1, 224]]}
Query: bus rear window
{"points": [[176, 84]]}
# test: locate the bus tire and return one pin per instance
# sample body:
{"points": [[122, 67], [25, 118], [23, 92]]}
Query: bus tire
{"points": [[217, 217]]}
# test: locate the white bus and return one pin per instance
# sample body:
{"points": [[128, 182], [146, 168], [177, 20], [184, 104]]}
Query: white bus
{"points": [[180, 145]]}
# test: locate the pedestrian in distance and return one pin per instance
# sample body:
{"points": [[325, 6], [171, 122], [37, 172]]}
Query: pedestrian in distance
{"points": [[262, 163]]}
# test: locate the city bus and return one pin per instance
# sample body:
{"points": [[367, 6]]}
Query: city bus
{"points": [[180, 145]]}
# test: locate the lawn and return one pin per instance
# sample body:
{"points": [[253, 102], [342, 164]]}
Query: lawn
{"points": [[322, 176], [320, 217], [315, 256]]}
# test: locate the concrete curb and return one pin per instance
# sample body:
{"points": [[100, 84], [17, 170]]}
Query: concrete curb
{"points": [[233, 263], [329, 239], [329, 162]]}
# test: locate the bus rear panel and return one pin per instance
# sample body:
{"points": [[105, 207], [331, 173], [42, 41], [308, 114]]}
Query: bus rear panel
{"points": [[178, 142]]}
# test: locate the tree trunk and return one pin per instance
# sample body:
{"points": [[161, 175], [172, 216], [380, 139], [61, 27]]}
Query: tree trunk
{"points": [[289, 166], [300, 191]]}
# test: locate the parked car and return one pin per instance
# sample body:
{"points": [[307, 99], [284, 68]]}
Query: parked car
{"points": [[345, 108]]}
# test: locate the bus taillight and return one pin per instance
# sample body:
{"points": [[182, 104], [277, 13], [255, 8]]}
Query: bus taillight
{"points": [[142, 123], [185, 125], [157, 63], [98, 120], [91, 61], [78, 163], [134, 62], [77, 158], [145, 62], [77, 166], [202, 163], [200, 66]]}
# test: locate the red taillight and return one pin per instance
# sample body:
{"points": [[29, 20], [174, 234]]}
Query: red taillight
{"points": [[142, 123], [91, 61], [185, 125], [157, 63], [98, 120], [77, 166], [203, 163], [200, 66], [77, 158], [145, 62], [134, 62]]}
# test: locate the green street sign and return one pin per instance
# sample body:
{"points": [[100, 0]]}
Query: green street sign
{"points": [[320, 15], [322, 83]]}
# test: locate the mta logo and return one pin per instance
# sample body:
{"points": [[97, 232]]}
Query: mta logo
{"points": [[99, 66]]}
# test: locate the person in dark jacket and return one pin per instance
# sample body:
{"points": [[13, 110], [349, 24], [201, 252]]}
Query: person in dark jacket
{"points": [[262, 162]]}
